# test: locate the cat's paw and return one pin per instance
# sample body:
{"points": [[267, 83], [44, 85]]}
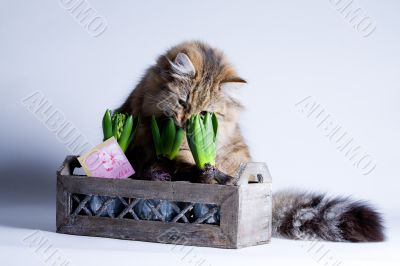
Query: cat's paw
{"points": [[211, 175]]}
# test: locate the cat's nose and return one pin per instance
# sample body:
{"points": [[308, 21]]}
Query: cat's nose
{"points": [[182, 119]]}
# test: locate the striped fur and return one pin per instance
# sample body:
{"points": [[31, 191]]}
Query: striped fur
{"points": [[301, 215], [193, 77]]}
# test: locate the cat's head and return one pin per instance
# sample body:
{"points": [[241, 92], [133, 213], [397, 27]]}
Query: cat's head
{"points": [[193, 78]]}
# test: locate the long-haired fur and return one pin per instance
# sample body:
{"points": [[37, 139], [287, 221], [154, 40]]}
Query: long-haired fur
{"points": [[302, 215]]}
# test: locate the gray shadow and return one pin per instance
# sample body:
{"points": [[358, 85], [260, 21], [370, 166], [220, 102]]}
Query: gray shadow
{"points": [[28, 193]]}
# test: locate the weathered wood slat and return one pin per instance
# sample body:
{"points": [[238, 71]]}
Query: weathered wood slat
{"points": [[175, 191], [150, 231], [255, 205]]}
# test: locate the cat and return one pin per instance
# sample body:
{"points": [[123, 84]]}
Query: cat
{"points": [[194, 77], [190, 78]]}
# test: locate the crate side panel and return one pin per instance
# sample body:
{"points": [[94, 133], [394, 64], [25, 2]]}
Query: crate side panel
{"points": [[175, 191], [150, 231], [62, 204], [255, 206], [229, 216]]}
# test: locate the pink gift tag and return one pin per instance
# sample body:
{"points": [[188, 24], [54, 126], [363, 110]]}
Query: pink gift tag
{"points": [[106, 160]]}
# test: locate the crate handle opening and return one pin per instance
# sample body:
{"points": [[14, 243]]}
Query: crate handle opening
{"points": [[253, 172], [69, 165]]}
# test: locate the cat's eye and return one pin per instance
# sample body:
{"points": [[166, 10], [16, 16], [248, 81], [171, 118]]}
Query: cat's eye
{"points": [[203, 113], [183, 103]]}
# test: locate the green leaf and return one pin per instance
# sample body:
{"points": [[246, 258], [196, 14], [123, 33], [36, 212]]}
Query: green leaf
{"points": [[156, 135], [180, 133], [168, 136], [215, 125], [190, 140], [115, 126], [126, 133], [107, 125], [199, 140], [136, 123], [208, 136]]}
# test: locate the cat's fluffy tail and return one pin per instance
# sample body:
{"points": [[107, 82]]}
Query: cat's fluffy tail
{"points": [[300, 215]]}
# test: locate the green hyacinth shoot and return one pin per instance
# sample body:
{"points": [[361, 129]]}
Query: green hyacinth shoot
{"points": [[121, 126]]}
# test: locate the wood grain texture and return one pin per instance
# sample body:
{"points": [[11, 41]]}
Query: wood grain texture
{"points": [[255, 215], [245, 211], [149, 231]]}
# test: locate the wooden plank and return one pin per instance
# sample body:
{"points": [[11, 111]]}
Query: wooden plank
{"points": [[149, 231], [254, 217], [175, 191], [229, 217], [62, 204]]}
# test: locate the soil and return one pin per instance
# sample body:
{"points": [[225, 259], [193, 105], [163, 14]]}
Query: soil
{"points": [[165, 170], [161, 170]]}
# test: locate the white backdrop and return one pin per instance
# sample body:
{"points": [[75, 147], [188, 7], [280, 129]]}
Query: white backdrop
{"points": [[287, 50]]}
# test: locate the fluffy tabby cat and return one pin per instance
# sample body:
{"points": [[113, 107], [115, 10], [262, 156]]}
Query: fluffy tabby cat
{"points": [[193, 77]]}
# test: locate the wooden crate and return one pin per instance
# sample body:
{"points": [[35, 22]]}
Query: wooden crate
{"points": [[244, 211]]}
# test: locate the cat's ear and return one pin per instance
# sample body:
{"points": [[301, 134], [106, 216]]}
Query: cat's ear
{"points": [[182, 66], [232, 87]]}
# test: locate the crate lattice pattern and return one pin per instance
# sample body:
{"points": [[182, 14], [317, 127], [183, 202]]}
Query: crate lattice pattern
{"points": [[144, 209]]}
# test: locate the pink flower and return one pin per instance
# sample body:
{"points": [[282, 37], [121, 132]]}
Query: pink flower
{"points": [[110, 158]]}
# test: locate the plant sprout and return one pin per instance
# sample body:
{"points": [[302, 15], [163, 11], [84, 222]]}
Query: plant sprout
{"points": [[202, 138], [121, 126], [167, 142]]}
